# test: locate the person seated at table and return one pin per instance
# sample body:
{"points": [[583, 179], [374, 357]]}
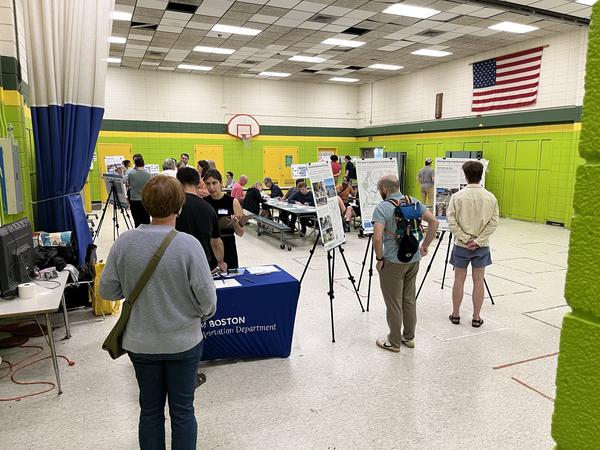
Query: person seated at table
{"points": [[237, 190], [344, 190], [276, 191], [284, 215], [230, 213], [229, 180], [254, 199], [352, 211], [302, 197]]}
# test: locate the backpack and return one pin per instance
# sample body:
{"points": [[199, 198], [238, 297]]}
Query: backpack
{"points": [[409, 231]]}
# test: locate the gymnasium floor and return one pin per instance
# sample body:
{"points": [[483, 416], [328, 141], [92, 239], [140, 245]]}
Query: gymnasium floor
{"points": [[460, 388]]}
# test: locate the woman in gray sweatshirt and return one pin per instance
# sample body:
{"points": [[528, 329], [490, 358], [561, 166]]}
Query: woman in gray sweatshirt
{"points": [[164, 334]]}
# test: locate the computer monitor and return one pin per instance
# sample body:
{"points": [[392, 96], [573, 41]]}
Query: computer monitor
{"points": [[16, 256]]}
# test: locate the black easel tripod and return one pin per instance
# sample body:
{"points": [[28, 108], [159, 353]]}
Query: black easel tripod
{"points": [[117, 205], [331, 275], [364, 262], [446, 265]]}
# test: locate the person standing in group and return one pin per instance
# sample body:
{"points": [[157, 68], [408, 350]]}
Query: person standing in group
{"points": [[200, 220], [398, 279], [184, 159], [137, 179], [179, 296], [336, 167], [350, 170], [202, 167], [229, 180], [426, 179], [472, 218], [237, 190], [169, 168], [229, 211]]}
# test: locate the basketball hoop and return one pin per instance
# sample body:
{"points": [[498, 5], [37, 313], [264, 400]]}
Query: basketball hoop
{"points": [[247, 138], [244, 127]]}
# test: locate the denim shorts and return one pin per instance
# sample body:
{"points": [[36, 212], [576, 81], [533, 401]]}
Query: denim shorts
{"points": [[461, 257]]}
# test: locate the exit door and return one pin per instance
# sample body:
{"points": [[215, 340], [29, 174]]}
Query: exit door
{"points": [[277, 164]]}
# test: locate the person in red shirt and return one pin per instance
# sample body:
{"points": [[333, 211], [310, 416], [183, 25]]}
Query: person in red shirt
{"points": [[336, 167], [237, 190]]}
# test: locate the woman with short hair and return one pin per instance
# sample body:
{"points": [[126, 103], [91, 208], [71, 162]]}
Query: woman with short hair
{"points": [[164, 334], [169, 167]]}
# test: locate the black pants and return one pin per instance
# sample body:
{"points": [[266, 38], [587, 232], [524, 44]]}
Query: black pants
{"points": [[304, 222], [139, 213]]}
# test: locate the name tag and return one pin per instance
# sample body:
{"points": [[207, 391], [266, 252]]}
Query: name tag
{"points": [[223, 212]]}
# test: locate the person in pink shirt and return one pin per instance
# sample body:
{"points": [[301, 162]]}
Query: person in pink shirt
{"points": [[237, 191], [336, 167]]}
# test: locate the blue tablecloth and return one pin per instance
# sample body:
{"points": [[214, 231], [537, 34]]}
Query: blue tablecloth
{"points": [[254, 320]]}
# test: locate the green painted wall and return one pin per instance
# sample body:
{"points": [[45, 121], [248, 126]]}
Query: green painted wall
{"points": [[576, 421]]}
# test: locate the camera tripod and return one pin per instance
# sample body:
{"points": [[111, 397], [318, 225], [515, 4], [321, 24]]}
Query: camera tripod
{"points": [[117, 206]]}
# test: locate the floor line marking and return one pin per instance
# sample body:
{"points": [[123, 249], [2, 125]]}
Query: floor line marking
{"points": [[522, 383], [542, 321], [546, 309], [504, 366]]}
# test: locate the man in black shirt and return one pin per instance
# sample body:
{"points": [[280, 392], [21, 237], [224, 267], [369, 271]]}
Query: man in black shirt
{"points": [[276, 191], [253, 199], [301, 197], [350, 170], [199, 219]]}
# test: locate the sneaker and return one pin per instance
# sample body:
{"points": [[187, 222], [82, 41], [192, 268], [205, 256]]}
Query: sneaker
{"points": [[410, 343], [385, 344]]}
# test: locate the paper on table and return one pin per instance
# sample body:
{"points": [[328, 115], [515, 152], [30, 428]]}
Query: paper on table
{"points": [[219, 284], [262, 270]]}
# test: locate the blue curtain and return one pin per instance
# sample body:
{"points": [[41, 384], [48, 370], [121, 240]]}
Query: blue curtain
{"points": [[65, 137]]}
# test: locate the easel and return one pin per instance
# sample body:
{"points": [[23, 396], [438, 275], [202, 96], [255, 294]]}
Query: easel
{"points": [[446, 265], [331, 275], [117, 205], [364, 262]]}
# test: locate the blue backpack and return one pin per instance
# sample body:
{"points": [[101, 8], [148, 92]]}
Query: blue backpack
{"points": [[409, 231]]}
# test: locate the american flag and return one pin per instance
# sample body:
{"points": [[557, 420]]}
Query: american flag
{"points": [[509, 81]]}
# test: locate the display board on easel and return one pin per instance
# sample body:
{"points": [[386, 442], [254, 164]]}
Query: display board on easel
{"points": [[449, 179], [369, 171], [328, 209], [299, 171]]}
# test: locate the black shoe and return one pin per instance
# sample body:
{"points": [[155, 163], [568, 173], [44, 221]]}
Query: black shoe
{"points": [[200, 379], [347, 227]]}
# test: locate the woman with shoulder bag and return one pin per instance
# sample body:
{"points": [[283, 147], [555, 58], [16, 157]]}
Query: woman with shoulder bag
{"points": [[163, 335]]}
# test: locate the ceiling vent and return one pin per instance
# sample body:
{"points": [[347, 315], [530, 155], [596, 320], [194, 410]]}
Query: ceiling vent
{"points": [[309, 71], [144, 26], [356, 31], [430, 33], [183, 7], [322, 18], [250, 62], [354, 67]]}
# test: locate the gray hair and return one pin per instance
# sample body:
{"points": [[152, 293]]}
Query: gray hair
{"points": [[169, 164], [389, 182]]}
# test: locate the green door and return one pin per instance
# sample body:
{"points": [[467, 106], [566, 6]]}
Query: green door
{"points": [[525, 182]]}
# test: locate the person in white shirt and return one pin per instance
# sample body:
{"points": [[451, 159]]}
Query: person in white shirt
{"points": [[472, 218], [169, 168]]}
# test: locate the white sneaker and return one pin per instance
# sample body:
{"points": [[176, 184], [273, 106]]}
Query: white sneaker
{"points": [[410, 343], [385, 344]]}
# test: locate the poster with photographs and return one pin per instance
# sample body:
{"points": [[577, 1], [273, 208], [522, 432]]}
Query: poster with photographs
{"points": [[326, 202], [369, 171], [299, 171], [449, 179], [113, 163]]}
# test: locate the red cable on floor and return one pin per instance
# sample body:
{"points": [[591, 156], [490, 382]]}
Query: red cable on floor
{"points": [[14, 372]]}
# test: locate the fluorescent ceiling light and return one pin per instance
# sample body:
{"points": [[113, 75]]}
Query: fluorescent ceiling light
{"points": [[117, 40], [385, 67], [275, 74], [342, 42], [511, 27], [235, 30], [219, 50], [194, 67], [402, 9], [429, 52], [113, 60], [344, 80], [121, 15], [310, 59], [586, 2]]}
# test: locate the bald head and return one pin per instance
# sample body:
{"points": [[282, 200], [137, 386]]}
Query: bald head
{"points": [[390, 183], [243, 180]]}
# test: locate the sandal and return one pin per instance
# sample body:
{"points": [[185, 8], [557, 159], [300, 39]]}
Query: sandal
{"points": [[476, 323], [454, 320]]}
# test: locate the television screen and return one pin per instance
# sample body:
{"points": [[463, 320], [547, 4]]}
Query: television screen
{"points": [[16, 256]]}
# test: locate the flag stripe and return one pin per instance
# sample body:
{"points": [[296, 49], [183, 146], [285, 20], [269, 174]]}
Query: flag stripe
{"points": [[518, 71], [492, 98], [504, 106], [504, 90], [508, 70], [517, 54], [514, 80], [506, 97], [518, 62]]}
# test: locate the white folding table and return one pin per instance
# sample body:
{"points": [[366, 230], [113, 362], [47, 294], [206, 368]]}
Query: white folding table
{"points": [[46, 301]]}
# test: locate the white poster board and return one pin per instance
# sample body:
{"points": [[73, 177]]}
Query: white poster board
{"points": [[154, 169], [449, 179], [299, 171], [113, 163], [326, 203], [369, 172]]}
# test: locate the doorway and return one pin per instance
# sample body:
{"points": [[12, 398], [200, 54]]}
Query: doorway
{"points": [[211, 153], [277, 164]]}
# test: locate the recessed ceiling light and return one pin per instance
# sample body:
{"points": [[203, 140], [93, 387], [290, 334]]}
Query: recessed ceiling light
{"points": [[194, 67], [275, 74], [342, 42], [121, 15], [385, 67], [344, 80], [310, 59], [113, 60], [402, 9], [586, 2], [117, 40], [511, 27], [235, 30], [429, 52], [219, 50]]}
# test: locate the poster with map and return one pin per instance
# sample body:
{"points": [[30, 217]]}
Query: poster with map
{"points": [[369, 172], [449, 179], [299, 171]]}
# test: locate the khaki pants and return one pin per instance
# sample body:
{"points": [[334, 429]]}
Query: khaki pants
{"points": [[398, 285], [427, 195]]}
